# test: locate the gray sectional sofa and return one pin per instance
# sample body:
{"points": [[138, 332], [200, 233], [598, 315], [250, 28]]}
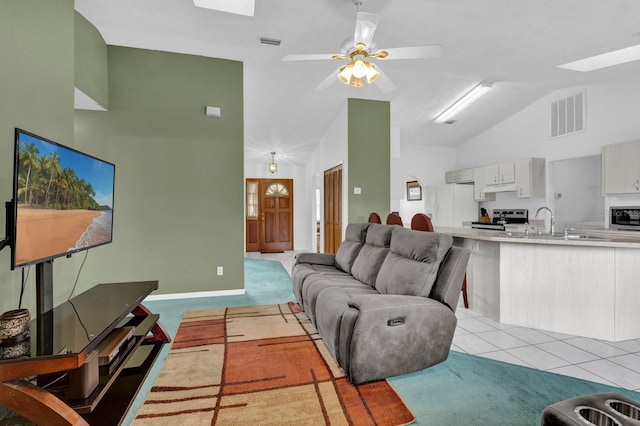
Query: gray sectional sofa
{"points": [[385, 302]]}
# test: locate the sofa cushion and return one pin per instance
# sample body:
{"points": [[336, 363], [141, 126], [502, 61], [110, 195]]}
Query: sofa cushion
{"points": [[412, 265], [350, 247], [376, 247]]}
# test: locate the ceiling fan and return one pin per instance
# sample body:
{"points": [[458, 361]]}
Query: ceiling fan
{"points": [[360, 49]]}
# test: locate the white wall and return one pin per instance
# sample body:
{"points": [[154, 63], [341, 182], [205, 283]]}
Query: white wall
{"points": [[426, 164], [611, 116], [612, 110]]}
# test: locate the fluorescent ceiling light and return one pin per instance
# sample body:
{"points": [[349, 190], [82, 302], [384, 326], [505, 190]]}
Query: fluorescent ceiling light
{"points": [[462, 103], [239, 7], [609, 59]]}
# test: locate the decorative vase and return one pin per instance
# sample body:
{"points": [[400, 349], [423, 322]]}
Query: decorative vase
{"points": [[14, 325]]}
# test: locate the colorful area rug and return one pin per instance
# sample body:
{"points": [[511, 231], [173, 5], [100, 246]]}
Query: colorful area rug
{"points": [[261, 365]]}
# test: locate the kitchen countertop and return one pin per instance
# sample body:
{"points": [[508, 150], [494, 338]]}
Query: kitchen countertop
{"points": [[594, 237]]}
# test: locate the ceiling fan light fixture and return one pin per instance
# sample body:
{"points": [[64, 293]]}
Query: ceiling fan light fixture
{"points": [[345, 73], [359, 68], [372, 73], [357, 82]]}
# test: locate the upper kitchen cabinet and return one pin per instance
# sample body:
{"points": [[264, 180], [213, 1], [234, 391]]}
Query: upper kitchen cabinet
{"points": [[530, 180], [479, 193], [499, 174], [459, 176], [621, 168]]}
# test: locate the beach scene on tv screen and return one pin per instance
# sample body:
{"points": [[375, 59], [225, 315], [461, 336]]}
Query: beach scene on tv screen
{"points": [[64, 200]]}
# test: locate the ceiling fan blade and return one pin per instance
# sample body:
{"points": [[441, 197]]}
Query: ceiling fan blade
{"points": [[384, 83], [332, 78], [414, 52], [309, 57], [365, 28]]}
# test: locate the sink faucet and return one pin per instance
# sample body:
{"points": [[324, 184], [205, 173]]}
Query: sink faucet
{"points": [[553, 223]]}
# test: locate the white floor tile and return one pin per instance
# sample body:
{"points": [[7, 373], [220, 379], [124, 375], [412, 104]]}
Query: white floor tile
{"points": [[474, 325], [501, 339], [472, 344], [495, 324], [567, 352], [555, 335], [596, 347], [630, 361], [619, 375], [631, 346], [537, 358], [529, 335]]}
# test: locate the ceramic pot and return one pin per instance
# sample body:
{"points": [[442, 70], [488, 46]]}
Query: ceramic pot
{"points": [[14, 325], [15, 350]]}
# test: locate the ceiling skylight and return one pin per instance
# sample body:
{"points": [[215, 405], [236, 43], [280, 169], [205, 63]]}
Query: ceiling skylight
{"points": [[604, 60], [239, 7]]}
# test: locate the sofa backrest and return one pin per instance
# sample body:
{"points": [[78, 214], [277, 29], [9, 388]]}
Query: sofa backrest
{"points": [[348, 251], [412, 265], [448, 284], [375, 249]]}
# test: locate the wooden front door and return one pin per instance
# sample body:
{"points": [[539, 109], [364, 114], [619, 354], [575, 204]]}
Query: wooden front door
{"points": [[269, 221], [332, 209]]}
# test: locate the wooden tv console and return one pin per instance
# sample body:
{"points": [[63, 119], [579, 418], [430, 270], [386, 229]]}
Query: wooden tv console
{"points": [[60, 341]]}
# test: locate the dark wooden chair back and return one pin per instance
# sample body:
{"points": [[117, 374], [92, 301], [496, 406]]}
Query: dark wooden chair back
{"points": [[421, 222], [374, 218], [394, 219]]}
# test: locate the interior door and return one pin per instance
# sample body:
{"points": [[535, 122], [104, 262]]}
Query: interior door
{"points": [[276, 200], [269, 215], [332, 209]]}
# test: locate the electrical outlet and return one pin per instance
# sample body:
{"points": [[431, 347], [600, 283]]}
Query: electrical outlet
{"points": [[220, 270]]}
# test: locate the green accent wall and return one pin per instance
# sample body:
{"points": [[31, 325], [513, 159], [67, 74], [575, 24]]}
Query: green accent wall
{"points": [[369, 138], [179, 193], [91, 70], [36, 94]]}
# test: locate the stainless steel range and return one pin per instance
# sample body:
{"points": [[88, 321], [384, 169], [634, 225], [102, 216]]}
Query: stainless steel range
{"points": [[502, 217]]}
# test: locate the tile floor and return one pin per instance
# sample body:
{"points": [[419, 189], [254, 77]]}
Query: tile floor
{"points": [[615, 364]]}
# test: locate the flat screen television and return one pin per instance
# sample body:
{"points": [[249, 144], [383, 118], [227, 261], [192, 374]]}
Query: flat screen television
{"points": [[62, 201]]}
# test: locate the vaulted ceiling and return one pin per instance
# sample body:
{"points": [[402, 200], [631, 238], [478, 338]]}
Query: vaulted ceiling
{"points": [[515, 44]]}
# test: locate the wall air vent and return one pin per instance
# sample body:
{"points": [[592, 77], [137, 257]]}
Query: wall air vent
{"points": [[270, 41], [568, 115]]}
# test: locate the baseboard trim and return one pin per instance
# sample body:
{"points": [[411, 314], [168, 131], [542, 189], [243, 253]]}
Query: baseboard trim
{"points": [[195, 294]]}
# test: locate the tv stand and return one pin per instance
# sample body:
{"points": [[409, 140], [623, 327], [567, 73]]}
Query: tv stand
{"points": [[62, 337]]}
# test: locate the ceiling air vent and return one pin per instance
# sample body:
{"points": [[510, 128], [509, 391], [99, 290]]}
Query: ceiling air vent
{"points": [[270, 41], [568, 115]]}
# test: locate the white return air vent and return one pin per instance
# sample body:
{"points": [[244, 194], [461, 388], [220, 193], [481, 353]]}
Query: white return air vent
{"points": [[568, 115]]}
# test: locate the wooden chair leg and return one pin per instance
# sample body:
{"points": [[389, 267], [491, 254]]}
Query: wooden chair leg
{"points": [[464, 292]]}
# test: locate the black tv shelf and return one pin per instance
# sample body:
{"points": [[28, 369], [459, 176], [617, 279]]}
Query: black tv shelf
{"points": [[62, 338]]}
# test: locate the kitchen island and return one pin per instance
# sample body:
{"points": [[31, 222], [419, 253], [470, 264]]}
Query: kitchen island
{"points": [[585, 285]]}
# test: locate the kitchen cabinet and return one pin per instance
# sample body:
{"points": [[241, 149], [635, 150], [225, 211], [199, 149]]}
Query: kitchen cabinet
{"points": [[499, 174], [621, 168], [478, 186], [530, 178], [459, 176]]}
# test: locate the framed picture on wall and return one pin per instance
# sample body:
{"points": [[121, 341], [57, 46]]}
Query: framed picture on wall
{"points": [[414, 191]]}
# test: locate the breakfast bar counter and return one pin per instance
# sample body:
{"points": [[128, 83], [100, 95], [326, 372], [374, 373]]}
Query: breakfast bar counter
{"points": [[585, 284]]}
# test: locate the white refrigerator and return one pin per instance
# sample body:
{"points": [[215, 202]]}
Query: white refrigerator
{"points": [[451, 204]]}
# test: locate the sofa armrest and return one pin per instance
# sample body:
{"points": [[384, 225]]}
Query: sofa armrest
{"points": [[316, 258], [388, 335]]}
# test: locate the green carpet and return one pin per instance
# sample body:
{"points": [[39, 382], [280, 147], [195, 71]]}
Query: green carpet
{"points": [[463, 390], [471, 390]]}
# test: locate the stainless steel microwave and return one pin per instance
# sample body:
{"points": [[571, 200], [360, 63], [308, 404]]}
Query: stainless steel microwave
{"points": [[624, 218]]}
